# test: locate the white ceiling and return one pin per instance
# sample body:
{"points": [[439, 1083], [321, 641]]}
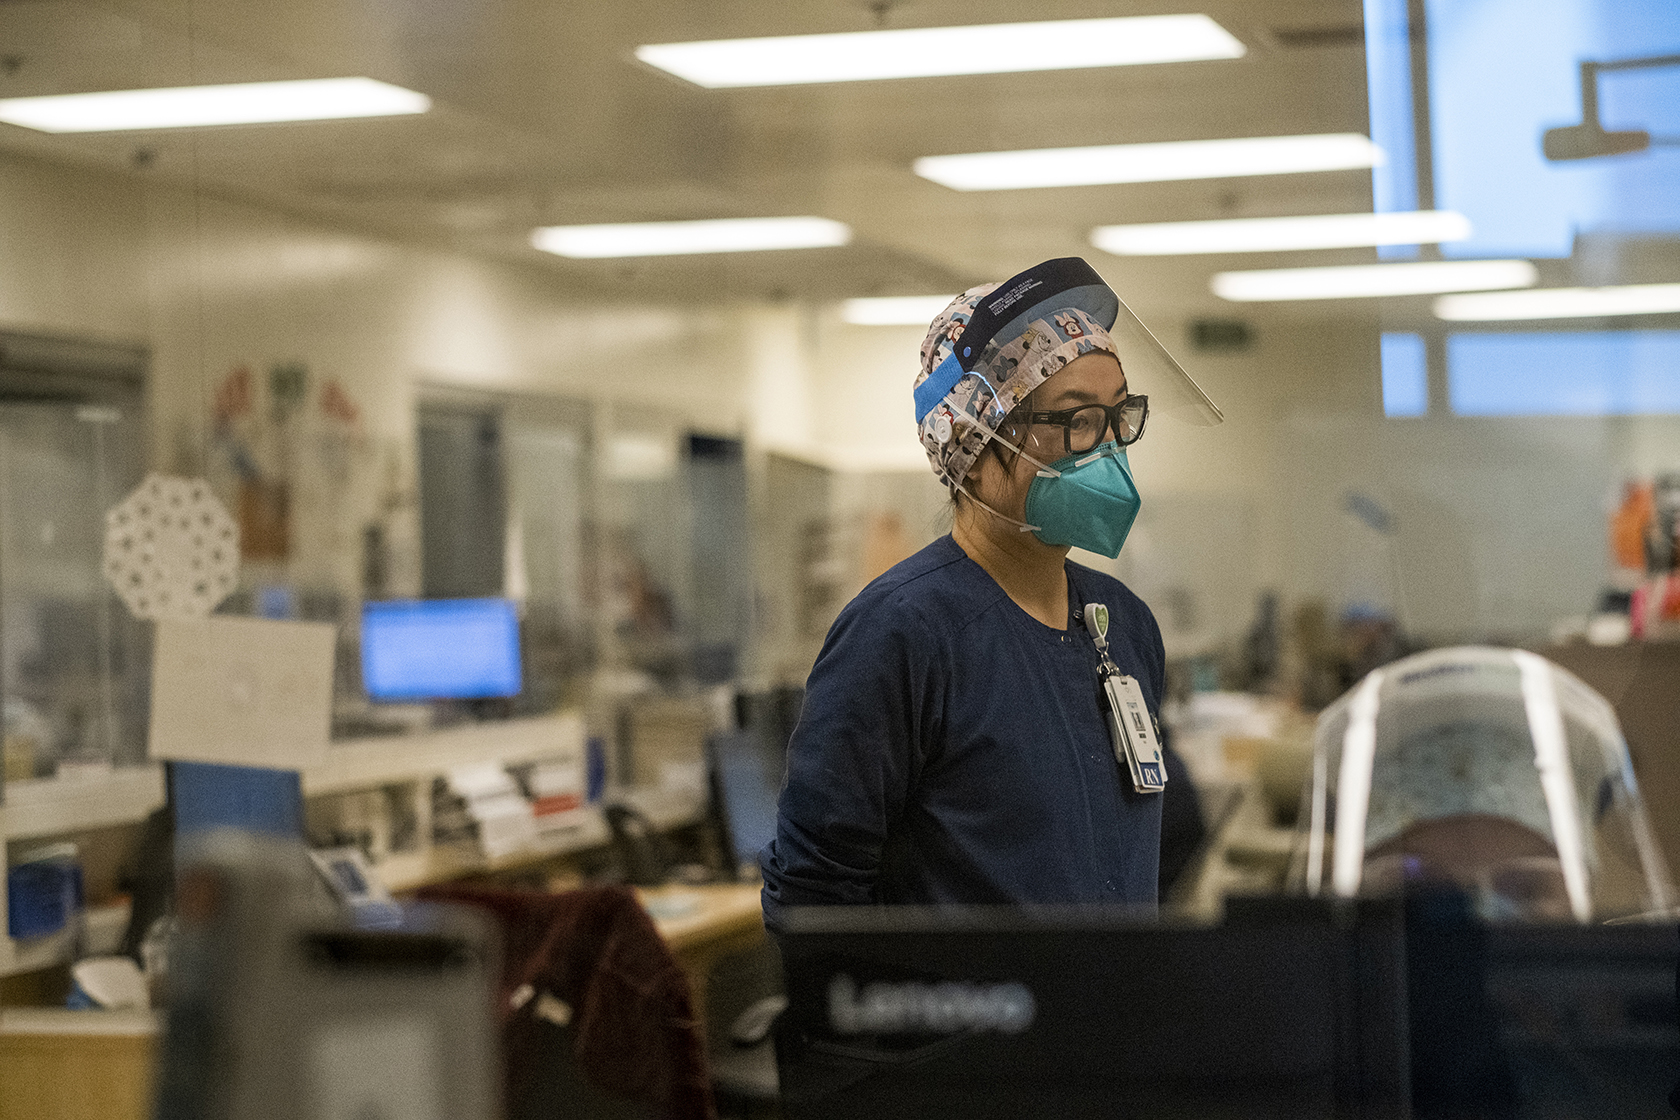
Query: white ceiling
{"points": [[544, 117]]}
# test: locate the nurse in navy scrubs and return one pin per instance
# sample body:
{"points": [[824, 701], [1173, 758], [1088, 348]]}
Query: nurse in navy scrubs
{"points": [[953, 747]]}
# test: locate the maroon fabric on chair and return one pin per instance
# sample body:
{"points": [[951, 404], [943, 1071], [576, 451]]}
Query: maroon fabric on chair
{"points": [[634, 1031]]}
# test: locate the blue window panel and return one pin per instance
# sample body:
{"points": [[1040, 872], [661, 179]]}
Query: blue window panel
{"points": [[1608, 373], [1388, 80], [1647, 99], [1503, 71], [1405, 375]]}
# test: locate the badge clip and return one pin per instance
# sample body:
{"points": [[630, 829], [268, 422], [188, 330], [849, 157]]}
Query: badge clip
{"points": [[1130, 725]]}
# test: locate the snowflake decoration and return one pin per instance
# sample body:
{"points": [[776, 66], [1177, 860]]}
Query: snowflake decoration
{"points": [[171, 550]]}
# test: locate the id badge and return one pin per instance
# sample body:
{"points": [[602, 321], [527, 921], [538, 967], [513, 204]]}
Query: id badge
{"points": [[1133, 732]]}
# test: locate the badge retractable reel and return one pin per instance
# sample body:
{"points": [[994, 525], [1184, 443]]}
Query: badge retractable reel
{"points": [[1129, 722]]}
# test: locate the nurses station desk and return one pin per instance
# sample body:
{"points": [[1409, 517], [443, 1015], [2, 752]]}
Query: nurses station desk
{"points": [[97, 1065], [703, 923], [73, 1064]]}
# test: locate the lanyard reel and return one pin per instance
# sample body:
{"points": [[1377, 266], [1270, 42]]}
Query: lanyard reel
{"points": [[1129, 723]]}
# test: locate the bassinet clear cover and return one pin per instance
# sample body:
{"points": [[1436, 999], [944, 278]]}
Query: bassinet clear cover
{"points": [[1489, 770]]}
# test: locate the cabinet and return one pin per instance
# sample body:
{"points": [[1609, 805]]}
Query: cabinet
{"points": [[74, 1064], [404, 764]]}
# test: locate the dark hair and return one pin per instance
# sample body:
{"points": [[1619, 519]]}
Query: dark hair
{"points": [[996, 449]]}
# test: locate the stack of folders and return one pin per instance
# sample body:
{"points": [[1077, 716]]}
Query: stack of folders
{"points": [[503, 816], [558, 787]]}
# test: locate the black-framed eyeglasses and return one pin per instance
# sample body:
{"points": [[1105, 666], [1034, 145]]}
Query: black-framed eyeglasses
{"points": [[1084, 427]]}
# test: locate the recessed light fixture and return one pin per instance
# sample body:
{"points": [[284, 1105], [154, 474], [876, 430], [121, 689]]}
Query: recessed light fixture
{"points": [[1264, 235], [1359, 281], [1562, 303], [923, 52], [893, 311], [660, 239], [316, 99], [1150, 163]]}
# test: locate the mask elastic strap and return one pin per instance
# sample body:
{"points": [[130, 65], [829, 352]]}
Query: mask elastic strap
{"points": [[1045, 470], [1102, 451], [1024, 527]]}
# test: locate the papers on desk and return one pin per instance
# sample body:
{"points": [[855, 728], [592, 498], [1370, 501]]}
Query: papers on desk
{"points": [[674, 905], [504, 818], [558, 785], [524, 813]]}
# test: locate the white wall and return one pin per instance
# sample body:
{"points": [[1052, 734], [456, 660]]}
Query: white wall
{"points": [[1499, 524], [72, 252], [211, 285]]}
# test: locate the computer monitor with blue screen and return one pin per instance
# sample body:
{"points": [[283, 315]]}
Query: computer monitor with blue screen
{"points": [[746, 774], [440, 649], [208, 796]]}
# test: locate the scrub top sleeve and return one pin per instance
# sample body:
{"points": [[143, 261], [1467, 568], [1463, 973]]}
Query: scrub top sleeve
{"points": [[1158, 664], [853, 759]]}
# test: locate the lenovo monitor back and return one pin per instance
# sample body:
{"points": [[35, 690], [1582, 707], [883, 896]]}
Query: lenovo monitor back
{"points": [[1286, 1009]]}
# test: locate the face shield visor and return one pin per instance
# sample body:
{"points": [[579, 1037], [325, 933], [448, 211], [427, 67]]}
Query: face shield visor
{"points": [[1153, 372], [1489, 771]]}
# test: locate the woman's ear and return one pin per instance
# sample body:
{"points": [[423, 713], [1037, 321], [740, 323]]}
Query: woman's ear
{"points": [[992, 478], [981, 479]]}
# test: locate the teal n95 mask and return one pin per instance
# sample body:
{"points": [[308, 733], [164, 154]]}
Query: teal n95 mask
{"points": [[1089, 502], [1086, 500]]}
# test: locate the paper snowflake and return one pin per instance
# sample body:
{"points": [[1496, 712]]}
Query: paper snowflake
{"points": [[171, 550]]}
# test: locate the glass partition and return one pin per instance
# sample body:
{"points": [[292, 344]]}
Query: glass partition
{"points": [[73, 662]]}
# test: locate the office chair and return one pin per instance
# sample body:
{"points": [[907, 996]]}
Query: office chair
{"points": [[597, 1020], [744, 994], [744, 991]]}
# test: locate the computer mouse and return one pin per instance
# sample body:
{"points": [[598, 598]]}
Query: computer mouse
{"points": [[752, 1026]]}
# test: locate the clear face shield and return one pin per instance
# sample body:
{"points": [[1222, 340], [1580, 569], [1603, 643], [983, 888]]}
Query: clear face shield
{"points": [[1489, 771], [1153, 372], [964, 401], [1020, 334], [982, 397]]}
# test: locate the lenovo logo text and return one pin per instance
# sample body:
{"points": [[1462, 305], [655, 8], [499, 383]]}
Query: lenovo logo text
{"points": [[915, 1008]]}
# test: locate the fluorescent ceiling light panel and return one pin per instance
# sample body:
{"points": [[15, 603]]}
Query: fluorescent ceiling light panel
{"points": [[1562, 303], [925, 52], [198, 106], [894, 311], [1269, 235], [1150, 163], [661, 239], [1370, 280]]}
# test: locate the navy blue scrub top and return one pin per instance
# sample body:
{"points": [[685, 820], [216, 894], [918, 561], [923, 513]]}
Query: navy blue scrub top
{"points": [[952, 749]]}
